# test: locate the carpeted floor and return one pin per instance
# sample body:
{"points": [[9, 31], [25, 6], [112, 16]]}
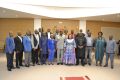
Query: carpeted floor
{"points": [[54, 72]]}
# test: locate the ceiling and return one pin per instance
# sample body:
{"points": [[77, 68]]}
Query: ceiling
{"points": [[6, 13], [49, 11]]}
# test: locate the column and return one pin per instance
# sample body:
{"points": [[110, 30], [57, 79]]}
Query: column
{"points": [[82, 25], [37, 23]]}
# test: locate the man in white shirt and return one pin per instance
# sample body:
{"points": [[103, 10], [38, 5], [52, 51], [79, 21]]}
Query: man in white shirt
{"points": [[89, 46], [35, 47], [40, 31], [19, 49], [48, 33]]}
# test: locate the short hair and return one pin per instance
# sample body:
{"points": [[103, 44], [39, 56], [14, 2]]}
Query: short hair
{"points": [[100, 32], [69, 35]]}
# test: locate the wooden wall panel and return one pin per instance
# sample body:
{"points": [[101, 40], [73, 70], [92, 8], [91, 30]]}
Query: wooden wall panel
{"points": [[14, 25], [54, 23], [23, 25], [95, 26]]}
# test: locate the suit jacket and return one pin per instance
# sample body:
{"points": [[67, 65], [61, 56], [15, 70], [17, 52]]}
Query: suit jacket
{"points": [[10, 46], [27, 44], [43, 44], [18, 44], [81, 41]]}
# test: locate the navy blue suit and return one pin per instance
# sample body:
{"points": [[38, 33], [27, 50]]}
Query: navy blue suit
{"points": [[43, 47]]}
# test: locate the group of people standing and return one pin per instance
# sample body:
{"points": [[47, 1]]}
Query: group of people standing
{"points": [[69, 48]]}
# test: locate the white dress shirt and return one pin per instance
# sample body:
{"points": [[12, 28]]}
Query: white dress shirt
{"points": [[48, 33], [89, 41], [37, 38], [20, 38]]}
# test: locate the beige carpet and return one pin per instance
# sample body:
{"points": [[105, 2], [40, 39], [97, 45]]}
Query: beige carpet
{"points": [[54, 72]]}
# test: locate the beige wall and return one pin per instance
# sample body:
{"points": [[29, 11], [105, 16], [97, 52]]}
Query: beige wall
{"points": [[95, 26], [23, 25], [54, 23], [14, 25]]}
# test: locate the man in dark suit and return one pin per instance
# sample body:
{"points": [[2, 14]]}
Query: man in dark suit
{"points": [[48, 33], [18, 49], [35, 47], [40, 31], [81, 44]]}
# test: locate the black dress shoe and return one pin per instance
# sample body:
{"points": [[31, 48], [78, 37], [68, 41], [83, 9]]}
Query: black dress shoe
{"points": [[58, 63], [89, 64], [76, 64], [38, 64], [13, 67], [21, 65], [96, 64], [9, 70], [18, 67], [83, 64], [52, 64], [105, 65], [33, 64], [112, 67], [61, 63], [26, 66]]}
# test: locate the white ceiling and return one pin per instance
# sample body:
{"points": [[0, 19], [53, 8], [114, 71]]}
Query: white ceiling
{"points": [[77, 9], [6, 13], [68, 3]]}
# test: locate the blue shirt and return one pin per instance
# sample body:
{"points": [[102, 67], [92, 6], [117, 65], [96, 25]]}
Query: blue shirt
{"points": [[51, 44], [43, 44], [27, 44], [10, 45]]}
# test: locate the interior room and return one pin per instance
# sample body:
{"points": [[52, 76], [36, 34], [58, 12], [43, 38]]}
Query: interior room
{"points": [[21, 16]]}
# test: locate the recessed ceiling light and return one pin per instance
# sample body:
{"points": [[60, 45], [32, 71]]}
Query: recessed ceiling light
{"points": [[16, 15], [60, 22], [103, 19]]}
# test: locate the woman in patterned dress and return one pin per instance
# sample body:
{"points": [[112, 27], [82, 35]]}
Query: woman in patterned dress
{"points": [[69, 49]]}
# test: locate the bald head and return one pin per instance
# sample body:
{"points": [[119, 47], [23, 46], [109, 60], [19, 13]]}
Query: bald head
{"points": [[19, 33], [48, 30], [10, 33], [61, 32], [36, 31], [28, 33], [81, 31], [110, 37], [89, 34]]}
